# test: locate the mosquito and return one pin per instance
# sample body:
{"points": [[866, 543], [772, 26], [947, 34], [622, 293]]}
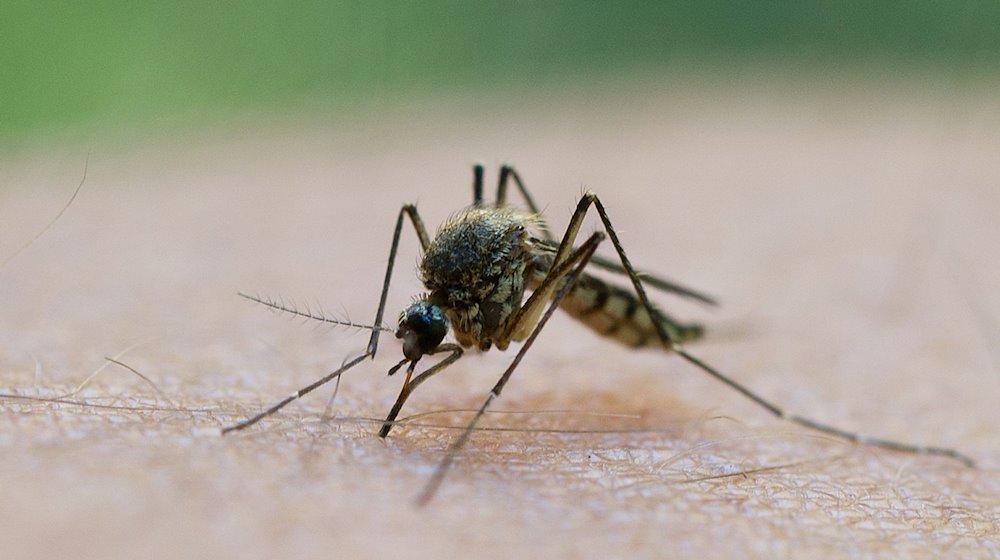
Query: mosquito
{"points": [[478, 271]]}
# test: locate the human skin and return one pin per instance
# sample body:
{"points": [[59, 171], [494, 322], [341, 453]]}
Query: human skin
{"points": [[849, 238]]}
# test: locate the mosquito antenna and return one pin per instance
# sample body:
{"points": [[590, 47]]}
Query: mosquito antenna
{"points": [[309, 313], [376, 327]]}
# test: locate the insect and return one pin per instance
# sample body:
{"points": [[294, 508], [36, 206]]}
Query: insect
{"points": [[479, 269]]}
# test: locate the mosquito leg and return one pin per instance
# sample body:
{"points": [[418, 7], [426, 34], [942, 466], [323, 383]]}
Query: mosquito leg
{"points": [[825, 428], [567, 272], [649, 280], [549, 241], [390, 420], [297, 394], [526, 317], [425, 241], [477, 184], [591, 198], [506, 172], [418, 225], [657, 282]]}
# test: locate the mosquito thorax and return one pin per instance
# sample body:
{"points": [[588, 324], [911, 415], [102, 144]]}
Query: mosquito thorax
{"points": [[422, 326], [475, 270]]}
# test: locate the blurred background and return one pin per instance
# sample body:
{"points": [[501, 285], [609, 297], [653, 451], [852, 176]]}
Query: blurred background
{"points": [[828, 169], [76, 70]]}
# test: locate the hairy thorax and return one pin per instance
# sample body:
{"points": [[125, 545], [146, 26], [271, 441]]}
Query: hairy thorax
{"points": [[475, 269]]}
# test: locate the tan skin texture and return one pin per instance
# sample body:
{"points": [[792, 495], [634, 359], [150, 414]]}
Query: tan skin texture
{"points": [[851, 241]]}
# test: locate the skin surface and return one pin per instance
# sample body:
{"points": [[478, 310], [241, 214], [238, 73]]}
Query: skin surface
{"points": [[850, 237]]}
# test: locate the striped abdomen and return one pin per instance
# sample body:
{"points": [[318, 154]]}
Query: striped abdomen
{"points": [[617, 313]]}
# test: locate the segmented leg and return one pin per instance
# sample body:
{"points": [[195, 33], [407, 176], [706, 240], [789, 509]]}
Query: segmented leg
{"points": [[569, 269], [418, 225], [590, 198], [507, 172], [579, 259], [296, 395]]}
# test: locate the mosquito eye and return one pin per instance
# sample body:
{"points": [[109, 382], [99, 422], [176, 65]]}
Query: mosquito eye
{"points": [[422, 326]]}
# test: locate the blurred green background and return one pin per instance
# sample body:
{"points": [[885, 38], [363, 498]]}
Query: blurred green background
{"points": [[73, 68]]}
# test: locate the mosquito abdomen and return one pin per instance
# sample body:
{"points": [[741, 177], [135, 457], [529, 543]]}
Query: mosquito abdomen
{"points": [[617, 313]]}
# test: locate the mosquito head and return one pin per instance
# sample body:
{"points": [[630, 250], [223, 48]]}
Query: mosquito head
{"points": [[422, 327]]}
